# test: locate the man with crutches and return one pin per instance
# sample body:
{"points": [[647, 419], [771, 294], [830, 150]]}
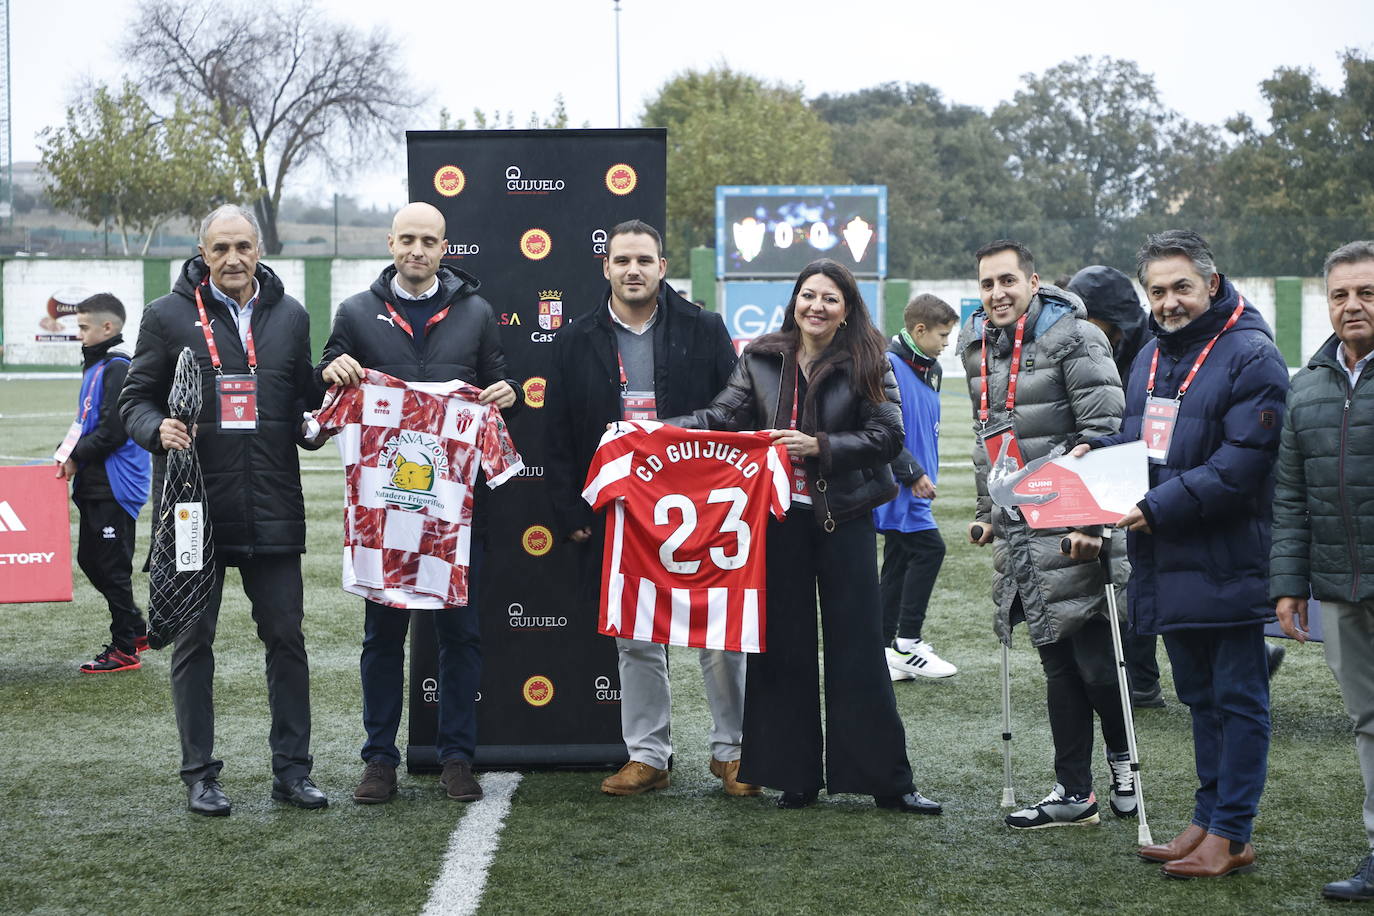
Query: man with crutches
{"points": [[1040, 376], [1207, 398]]}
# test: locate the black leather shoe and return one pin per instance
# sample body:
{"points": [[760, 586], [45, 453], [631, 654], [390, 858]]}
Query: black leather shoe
{"points": [[204, 796], [797, 799], [1359, 886], [300, 792], [912, 802], [1151, 698], [1273, 657]]}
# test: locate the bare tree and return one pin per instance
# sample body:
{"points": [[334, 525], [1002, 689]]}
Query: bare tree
{"points": [[303, 85]]}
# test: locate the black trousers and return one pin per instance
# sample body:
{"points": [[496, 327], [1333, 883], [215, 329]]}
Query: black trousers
{"points": [[911, 561], [864, 746], [1141, 663], [273, 585], [1080, 676], [105, 553]]}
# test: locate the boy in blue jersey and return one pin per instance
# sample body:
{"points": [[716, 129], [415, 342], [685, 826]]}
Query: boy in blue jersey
{"points": [[110, 480], [912, 547]]}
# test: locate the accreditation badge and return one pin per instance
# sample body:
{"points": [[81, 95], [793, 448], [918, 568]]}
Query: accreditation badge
{"points": [[638, 405], [1004, 451], [238, 403], [1157, 427], [64, 451]]}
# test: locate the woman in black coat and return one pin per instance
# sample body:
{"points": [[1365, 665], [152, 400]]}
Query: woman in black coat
{"points": [[825, 388]]}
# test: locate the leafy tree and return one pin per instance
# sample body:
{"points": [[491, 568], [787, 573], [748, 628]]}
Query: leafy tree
{"points": [[305, 85], [728, 127], [1091, 139], [117, 159], [1306, 185], [949, 190]]}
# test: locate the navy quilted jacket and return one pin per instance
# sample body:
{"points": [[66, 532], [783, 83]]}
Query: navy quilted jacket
{"points": [[1206, 561]]}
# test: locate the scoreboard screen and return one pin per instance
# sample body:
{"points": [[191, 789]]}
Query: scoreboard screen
{"points": [[775, 231]]}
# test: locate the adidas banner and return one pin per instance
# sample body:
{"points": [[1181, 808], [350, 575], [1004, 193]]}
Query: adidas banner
{"points": [[35, 535], [528, 212]]}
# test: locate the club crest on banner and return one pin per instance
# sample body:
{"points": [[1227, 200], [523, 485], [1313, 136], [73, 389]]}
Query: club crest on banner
{"points": [[538, 690], [621, 179], [537, 540], [535, 244], [534, 391], [449, 180], [550, 309]]}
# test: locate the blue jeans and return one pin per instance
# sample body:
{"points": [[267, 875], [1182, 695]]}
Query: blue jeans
{"points": [[1222, 674], [458, 633]]}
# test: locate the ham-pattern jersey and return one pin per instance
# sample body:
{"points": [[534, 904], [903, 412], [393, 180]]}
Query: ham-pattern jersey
{"points": [[685, 539], [411, 451]]}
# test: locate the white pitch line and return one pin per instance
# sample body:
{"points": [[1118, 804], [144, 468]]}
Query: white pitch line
{"points": [[33, 416], [458, 889]]}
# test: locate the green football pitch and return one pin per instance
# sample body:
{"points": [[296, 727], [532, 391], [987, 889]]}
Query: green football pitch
{"points": [[93, 819]]}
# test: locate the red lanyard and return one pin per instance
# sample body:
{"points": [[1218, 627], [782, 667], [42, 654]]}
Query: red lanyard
{"points": [[1201, 357], [396, 317], [624, 379], [1015, 369], [210, 338], [90, 392]]}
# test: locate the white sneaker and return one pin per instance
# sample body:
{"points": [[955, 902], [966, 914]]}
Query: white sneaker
{"points": [[1056, 810], [1122, 797], [895, 673], [921, 660]]}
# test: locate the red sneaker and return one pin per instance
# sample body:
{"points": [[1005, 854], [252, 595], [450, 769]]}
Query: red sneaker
{"points": [[141, 643], [112, 659]]}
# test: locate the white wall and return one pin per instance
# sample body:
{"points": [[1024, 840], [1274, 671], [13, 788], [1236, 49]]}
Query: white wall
{"points": [[31, 283]]}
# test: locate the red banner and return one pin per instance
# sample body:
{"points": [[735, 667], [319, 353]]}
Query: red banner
{"points": [[35, 536]]}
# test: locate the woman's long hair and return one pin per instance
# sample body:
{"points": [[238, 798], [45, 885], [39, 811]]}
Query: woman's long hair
{"points": [[856, 336]]}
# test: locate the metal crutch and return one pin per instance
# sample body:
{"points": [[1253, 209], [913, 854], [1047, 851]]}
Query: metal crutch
{"points": [[1123, 685]]}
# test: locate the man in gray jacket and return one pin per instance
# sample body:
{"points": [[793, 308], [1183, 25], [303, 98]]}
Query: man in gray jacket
{"points": [[1065, 389], [1321, 544]]}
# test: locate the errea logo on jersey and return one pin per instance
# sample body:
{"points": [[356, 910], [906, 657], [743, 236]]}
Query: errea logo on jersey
{"points": [[9, 519]]}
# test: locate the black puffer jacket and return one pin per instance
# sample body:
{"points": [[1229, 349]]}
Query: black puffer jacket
{"points": [[465, 344], [1323, 533], [252, 480], [857, 438]]}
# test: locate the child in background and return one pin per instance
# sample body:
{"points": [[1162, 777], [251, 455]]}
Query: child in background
{"points": [[110, 480], [912, 547]]}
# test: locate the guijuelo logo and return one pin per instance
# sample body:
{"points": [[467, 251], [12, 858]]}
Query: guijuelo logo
{"points": [[536, 244], [538, 690], [621, 179], [537, 540], [534, 389], [450, 180]]}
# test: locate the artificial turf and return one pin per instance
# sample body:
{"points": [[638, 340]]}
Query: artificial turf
{"points": [[94, 815]]}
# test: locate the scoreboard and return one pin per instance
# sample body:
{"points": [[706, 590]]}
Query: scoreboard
{"points": [[775, 231]]}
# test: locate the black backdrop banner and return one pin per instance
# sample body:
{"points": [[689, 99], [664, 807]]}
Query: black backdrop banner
{"points": [[528, 212]]}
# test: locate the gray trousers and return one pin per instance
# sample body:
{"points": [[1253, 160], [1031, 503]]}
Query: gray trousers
{"points": [[646, 702], [273, 585], [1349, 633]]}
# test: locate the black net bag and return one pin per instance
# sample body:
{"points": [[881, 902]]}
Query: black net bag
{"points": [[182, 568]]}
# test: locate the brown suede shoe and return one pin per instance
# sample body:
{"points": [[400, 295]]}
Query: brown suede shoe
{"points": [[1176, 848], [727, 771], [458, 781], [1215, 856], [635, 778], [378, 784]]}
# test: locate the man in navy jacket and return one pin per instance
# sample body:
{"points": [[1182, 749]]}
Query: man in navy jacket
{"points": [[1208, 392]]}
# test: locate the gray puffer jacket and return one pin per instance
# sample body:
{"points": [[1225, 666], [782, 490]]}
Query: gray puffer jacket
{"points": [[1323, 534], [1068, 390]]}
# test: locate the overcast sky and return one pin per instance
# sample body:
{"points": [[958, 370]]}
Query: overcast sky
{"points": [[1207, 57]]}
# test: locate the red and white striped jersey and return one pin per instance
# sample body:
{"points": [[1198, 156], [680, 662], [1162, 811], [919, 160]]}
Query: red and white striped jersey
{"points": [[411, 451], [684, 561]]}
